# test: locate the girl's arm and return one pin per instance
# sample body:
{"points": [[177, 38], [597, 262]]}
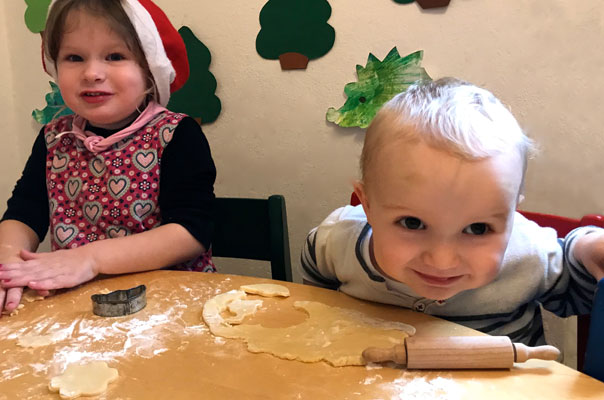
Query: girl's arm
{"points": [[160, 247], [14, 236]]}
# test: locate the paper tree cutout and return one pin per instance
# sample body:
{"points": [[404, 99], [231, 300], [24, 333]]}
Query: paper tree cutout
{"points": [[295, 31], [55, 106], [35, 14], [378, 82], [425, 4], [196, 98]]}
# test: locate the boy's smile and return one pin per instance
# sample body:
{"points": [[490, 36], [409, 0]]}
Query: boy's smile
{"points": [[440, 223], [98, 75]]}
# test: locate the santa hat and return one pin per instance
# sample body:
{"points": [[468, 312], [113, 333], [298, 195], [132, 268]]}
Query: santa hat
{"points": [[163, 46]]}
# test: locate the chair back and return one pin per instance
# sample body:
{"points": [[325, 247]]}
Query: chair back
{"points": [[594, 364], [253, 229]]}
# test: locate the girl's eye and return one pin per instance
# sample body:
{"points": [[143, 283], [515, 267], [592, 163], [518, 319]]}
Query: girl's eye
{"points": [[73, 58], [478, 228], [412, 223], [115, 57]]}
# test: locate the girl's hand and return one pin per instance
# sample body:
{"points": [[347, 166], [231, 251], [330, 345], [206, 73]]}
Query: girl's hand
{"points": [[9, 299], [589, 250], [46, 271]]}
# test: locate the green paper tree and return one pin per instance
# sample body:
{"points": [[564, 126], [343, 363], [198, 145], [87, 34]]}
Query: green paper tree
{"points": [[378, 82], [55, 106], [196, 98], [35, 14], [295, 31]]}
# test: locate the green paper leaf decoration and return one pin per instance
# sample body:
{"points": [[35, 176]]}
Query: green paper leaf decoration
{"points": [[55, 107], [295, 26], [378, 82], [196, 98], [35, 14]]}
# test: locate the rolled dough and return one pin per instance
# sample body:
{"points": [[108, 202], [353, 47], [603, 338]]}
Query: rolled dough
{"points": [[335, 335], [83, 380], [32, 340]]}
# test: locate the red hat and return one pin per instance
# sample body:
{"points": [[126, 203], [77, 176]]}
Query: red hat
{"points": [[163, 46]]}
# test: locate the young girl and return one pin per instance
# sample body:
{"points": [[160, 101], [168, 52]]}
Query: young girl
{"points": [[123, 184]]}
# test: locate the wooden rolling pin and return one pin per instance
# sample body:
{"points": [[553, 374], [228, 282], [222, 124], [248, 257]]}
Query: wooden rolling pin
{"points": [[459, 352]]}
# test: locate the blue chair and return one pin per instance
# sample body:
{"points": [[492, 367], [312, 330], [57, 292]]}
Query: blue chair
{"points": [[594, 355]]}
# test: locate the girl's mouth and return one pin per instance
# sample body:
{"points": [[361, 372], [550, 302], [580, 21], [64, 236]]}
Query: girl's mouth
{"points": [[95, 97]]}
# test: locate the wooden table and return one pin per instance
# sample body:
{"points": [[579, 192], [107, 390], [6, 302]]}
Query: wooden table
{"points": [[165, 351]]}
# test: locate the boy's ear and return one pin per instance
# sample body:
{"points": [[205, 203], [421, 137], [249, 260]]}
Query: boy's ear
{"points": [[359, 190]]}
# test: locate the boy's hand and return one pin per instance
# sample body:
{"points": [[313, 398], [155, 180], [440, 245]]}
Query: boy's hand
{"points": [[589, 250], [46, 271]]}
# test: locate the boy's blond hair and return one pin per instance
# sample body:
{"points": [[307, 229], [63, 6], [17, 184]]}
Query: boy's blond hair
{"points": [[448, 114]]}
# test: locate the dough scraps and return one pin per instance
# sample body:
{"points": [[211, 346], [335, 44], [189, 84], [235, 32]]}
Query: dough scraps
{"points": [[83, 380], [266, 289], [335, 335], [33, 340]]}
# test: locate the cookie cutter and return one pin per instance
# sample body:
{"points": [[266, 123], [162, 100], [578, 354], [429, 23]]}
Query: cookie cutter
{"points": [[119, 302]]}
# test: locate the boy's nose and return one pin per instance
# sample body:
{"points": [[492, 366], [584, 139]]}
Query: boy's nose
{"points": [[441, 256]]}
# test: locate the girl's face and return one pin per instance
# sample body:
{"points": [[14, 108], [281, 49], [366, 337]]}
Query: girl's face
{"points": [[440, 224], [98, 75]]}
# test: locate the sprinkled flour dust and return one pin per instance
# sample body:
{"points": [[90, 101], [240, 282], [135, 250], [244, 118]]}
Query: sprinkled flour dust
{"points": [[144, 334], [410, 387]]}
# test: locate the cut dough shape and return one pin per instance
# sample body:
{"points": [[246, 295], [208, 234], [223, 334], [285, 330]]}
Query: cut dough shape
{"points": [[241, 309], [32, 340], [266, 290], [335, 335], [83, 380]]}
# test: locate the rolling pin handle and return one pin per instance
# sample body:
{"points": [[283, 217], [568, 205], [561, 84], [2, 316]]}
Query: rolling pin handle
{"points": [[523, 352], [397, 353]]}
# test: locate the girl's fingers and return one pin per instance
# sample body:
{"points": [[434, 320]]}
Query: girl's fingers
{"points": [[27, 255], [13, 298]]}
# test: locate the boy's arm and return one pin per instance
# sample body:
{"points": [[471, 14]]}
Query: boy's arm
{"points": [[311, 265], [589, 250], [574, 287], [160, 247]]}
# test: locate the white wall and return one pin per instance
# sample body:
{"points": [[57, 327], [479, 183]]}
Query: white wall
{"points": [[542, 57]]}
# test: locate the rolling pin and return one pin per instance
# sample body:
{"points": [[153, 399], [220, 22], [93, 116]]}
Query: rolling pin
{"points": [[459, 352]]}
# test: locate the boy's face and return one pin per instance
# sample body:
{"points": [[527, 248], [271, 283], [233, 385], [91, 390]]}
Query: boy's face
{"points": [[440, 224]]}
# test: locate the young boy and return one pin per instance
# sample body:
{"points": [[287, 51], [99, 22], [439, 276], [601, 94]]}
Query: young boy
{"points": [[442, 173]]}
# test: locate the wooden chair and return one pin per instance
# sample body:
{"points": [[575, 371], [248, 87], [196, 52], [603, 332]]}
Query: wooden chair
{"points": [[253, 229], [563, 226]]}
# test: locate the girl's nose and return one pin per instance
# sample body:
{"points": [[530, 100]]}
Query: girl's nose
{"points": [[441, 255], [94, 71]]}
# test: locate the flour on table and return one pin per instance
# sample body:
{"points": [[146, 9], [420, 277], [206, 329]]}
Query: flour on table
{"points": [[33, 340], [83, 380], [266, 290], [335, 335]]}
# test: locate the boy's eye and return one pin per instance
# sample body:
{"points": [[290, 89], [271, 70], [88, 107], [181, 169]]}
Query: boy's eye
{"points": [[412, 223], [73, 58], [115, 57], [478, 228]]}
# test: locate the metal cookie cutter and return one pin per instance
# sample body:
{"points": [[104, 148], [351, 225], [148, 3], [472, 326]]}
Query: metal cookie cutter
{"points": [[120, 302]]}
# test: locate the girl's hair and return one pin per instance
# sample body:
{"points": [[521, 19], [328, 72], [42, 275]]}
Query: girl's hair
{"points": [[451, 115], [117, 20]]}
